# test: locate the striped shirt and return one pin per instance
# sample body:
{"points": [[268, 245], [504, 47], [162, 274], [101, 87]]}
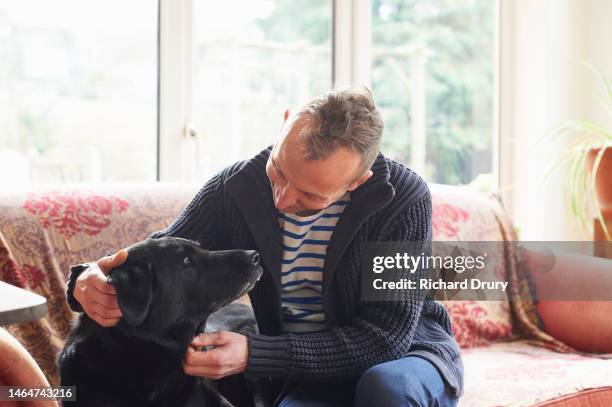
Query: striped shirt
{"points": [[305, 240]]}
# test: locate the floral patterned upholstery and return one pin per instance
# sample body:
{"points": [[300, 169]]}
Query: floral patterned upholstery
{"points": [[44, 231], [519, 374], [461, 216]]}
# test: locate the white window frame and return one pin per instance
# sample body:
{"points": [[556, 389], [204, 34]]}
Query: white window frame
{"points": [[351, 42], [175, 75]]}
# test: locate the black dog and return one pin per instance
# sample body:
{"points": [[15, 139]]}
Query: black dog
{"points": [[166, 290]]}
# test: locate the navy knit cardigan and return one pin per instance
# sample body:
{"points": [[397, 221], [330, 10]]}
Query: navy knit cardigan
{"points": [[235, 210]]}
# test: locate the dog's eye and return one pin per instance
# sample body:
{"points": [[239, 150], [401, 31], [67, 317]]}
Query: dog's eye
{"points": [[186, 260]]}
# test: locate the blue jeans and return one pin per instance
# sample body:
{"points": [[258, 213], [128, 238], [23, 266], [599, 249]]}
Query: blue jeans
{"points": [[411, 381]]}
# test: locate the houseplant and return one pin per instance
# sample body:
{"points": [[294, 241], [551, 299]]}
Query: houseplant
{"points": [[589, 163]]}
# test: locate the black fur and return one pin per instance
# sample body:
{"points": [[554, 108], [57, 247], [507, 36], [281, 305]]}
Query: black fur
{"points": [[167, 290]]}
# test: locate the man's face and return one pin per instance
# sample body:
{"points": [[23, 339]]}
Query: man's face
{"points": [[303, 187]]}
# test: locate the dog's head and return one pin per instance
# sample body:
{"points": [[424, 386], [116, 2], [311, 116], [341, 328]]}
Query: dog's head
{"points": [[172, 280]]}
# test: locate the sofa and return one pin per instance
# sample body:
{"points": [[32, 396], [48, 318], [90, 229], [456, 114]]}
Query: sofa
{"points": [[510, 358]]}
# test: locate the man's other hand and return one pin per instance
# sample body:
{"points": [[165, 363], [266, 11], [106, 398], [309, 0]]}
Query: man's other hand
{"points": [[228, 356], [95, 294]]}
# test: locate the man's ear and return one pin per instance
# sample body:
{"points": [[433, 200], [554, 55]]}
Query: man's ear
{"points": [[366, 176], [134, 287]]}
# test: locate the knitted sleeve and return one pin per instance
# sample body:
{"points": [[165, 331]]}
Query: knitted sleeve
{"points": [[380, 332], [197, 222], [199, 218]]}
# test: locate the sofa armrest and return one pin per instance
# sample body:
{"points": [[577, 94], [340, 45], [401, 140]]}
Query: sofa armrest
{"points": [[574, 298], [17, 368]]}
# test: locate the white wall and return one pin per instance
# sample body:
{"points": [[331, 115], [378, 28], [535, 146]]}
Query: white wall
{"points": [[598, 49], [542, 72]]}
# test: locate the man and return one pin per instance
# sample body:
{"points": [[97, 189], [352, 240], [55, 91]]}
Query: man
{"points": [[308, 205]]}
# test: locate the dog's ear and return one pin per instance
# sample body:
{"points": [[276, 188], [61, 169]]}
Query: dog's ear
{"points": [[134, 287]]}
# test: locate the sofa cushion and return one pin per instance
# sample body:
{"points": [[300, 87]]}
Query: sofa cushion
{"points": [[519, 374]]}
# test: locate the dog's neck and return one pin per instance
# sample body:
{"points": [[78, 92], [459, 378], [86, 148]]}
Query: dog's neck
{"points": [[174, 338]]}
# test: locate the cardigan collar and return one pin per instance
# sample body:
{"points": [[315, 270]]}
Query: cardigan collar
{"points": [[256, 167], [252, 192]]}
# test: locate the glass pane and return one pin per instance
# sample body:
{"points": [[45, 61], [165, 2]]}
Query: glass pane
{"points": [[432, 76], [252, 60], [78, 94]]}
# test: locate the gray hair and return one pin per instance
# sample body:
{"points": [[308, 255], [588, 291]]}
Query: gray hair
{"points": [[347, 118]]}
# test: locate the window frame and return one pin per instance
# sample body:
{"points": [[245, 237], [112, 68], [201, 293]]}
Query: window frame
{"points": [[174, 88]]}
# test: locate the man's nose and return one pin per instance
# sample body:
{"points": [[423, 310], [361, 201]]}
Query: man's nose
{"points": [[285, 198]]}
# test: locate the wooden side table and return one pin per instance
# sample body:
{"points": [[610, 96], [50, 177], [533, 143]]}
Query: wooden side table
{"points": [[18, 305]]}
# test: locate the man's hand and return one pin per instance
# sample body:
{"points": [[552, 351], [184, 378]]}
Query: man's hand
{"points": [[229, 355], [96, 295]]}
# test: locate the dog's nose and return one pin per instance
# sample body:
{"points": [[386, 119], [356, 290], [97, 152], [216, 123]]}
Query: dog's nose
{"points": [[254, 257]]}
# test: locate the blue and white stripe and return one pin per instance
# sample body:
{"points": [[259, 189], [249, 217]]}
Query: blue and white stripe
{"points": [[305, 240]]}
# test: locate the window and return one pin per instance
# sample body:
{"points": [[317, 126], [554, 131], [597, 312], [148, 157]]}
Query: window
{"points": [[273, 56], [432, 78], [78, 93]]}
